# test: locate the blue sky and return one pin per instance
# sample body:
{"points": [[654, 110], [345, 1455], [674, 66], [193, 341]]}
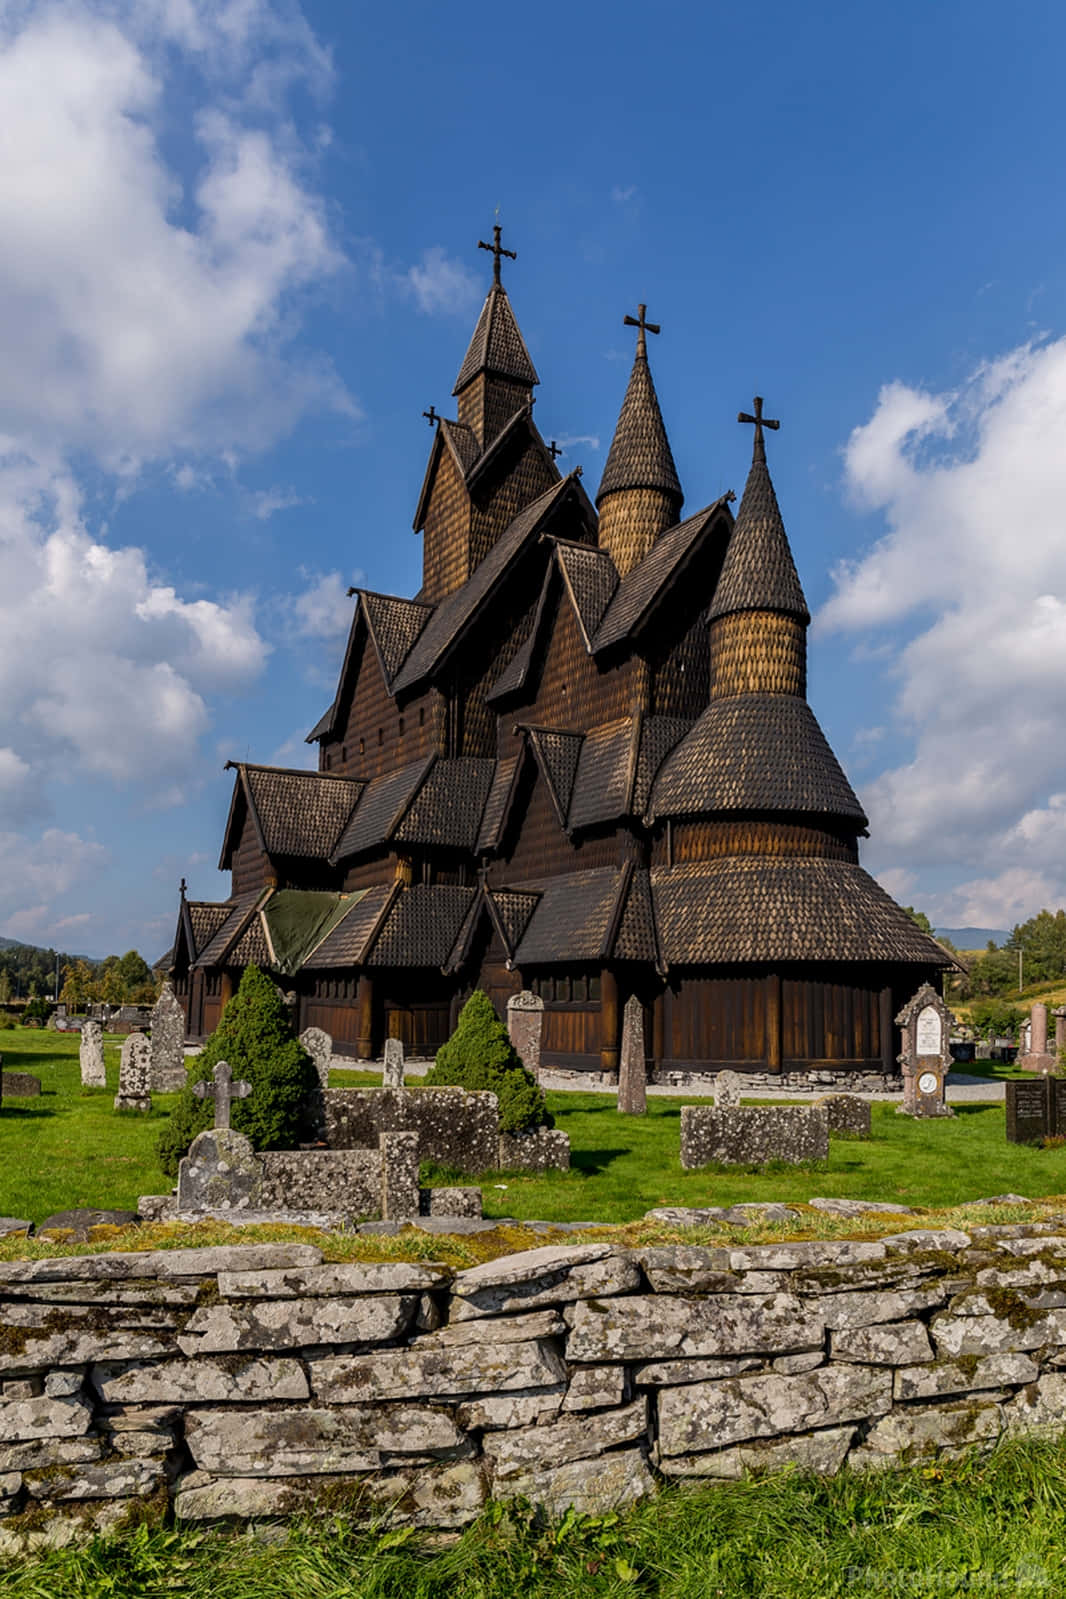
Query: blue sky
{"points": [[240, 260]]}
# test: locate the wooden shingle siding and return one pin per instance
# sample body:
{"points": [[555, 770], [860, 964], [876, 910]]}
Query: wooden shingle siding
{"points": [[758, 652]]}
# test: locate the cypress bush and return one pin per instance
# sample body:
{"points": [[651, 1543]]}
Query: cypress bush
{"points": [[255, 1036], [480, 1055]]}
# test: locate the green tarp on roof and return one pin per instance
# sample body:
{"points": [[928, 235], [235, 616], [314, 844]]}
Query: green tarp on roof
{"points": [[299, 920]]}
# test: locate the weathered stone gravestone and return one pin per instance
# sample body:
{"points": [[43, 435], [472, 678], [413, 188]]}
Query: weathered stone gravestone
{"points": [[319, 1045], [925, 1058], [753, 1135], [632, 1073], [1059, 1014], [726, 1088], [1035, 1057], [393, 1067], [19, 1085], [848, 1115], [91, 1056], [135, 1074], [220, 1172], [223, 1090], [525, 1024], [168, 1043]]}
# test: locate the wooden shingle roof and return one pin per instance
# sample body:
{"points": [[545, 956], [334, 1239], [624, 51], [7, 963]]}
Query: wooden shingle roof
{"points": [[497, 805], [382, 808], [758, 573], [205, 919], [617, 766], [294, 812], [650, 582], [761, 908], [640, 456], [557, 754], [347, 943], [755, 752], [448, 808], [497, 345], [241, 908], [573, 918], [457, 612], [421, 926], [394, 626], [591, 578]]}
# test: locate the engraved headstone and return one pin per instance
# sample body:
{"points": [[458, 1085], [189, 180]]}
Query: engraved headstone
{"points": [[319, 1045], [1028, 1110], [525, 1024], [926, 1025], [223, 1090], [392, 1069], [135, 1074], [91, 1056], [168, 1042], [726, 1088], [632, 1072], [1059, 1014]]}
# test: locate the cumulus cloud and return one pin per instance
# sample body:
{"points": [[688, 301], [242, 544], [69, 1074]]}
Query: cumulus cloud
{"points": [[34, 873], [323, 610], [969, 583]]}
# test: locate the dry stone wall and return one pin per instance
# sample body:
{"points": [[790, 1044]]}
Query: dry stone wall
{"points": [[249, 1381]]}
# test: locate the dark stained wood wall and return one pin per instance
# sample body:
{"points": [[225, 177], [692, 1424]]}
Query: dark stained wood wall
{"points": [[378, 735], [251, 868], [446, 536]]}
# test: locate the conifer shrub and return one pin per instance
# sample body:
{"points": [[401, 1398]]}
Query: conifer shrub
{"points": [[255, 1036], [480, 1055]]}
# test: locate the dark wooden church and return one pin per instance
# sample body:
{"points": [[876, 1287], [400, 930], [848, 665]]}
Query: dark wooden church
{"points": [[579, 761]]}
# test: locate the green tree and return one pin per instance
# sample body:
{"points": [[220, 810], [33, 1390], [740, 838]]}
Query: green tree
{"points": [[921, 918], [480, 1055], [77, 981], [255, 1036], [5, 986]]}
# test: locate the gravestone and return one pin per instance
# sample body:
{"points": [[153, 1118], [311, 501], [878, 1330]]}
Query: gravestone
{"points": [[1036, 1057], [1059, 1014], [726, 1089], [135, 1074], [19, 1085], [223, 1090], [393, 1068], [91, 1056], [319, 1045], [632, 1071], [1028, 1110], [753, 1135], [168, 1043], [925, 1058], [848, 1115], [525, 1024], [220, 1172]]}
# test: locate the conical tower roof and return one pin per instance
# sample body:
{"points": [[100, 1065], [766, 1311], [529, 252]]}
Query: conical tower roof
{"points": [[640, 456], [758, 573], [497, 346]]}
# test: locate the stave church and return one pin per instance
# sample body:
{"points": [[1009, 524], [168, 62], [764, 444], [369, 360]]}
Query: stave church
{"points": [[579, 761]]}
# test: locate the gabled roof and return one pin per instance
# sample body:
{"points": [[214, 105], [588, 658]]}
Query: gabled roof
{"points": [[755, 752], [394, 626], [382, 808], [640, 456], [421, 926], [573, 917], [591, 579], [498, 804], [242, 907], [293, 812], [514, 675], [473, 462], [618, 763], [457, 611], [201, 920], [637, 936], [448, 807], [497, 346], [643, 589], [758, 573], [508, 913], [348, 941], [557, 754], [766, 908]]}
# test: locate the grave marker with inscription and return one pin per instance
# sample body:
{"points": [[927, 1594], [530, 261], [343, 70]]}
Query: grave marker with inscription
{"points": [[926, 1024]]}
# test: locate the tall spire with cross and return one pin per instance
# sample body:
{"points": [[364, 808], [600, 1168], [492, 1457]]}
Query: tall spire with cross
{"points": [[497, 377], [639, 495], [758, 573]]}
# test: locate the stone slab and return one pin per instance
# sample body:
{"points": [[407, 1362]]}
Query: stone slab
{"points": [[203, 1381], [468, 1370], [296, 1323], [512, 1454], [386, 1277], [645, 1327], [315, 1441], [823, 1451], [589, 1487], [165, 1264], [707, 1416]]}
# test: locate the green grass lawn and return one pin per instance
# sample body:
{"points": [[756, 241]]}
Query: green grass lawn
{"points": [[988, 1524], [70, 1147]]}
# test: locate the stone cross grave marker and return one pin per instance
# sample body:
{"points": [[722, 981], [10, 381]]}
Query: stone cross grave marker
{"points": [[392, 1069], [135, 1074], [168, 1042], [223, 1090], [632, 1073], [926, 1056], [91, 1056]]}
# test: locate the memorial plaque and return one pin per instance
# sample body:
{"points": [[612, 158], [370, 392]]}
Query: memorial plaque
{"points": [[927, 1040], [1056, 1092], [1028, 1107]]}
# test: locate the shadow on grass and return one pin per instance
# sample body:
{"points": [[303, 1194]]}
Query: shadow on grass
{"points": [[32, 1112], [593, 1160]]}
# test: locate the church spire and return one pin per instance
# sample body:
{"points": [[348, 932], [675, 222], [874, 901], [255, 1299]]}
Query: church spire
{"points": [[639, 495], [497, 376], [758, 616]]}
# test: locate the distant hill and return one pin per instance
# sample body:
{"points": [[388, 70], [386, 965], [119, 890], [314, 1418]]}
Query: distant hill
{"points": [[39, 949], [973, 937]]}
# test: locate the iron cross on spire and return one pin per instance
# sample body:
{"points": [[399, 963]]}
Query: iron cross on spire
{"points": [[431, 416], [497, 250], [760, 421], [640, 321], [223, 1091]]}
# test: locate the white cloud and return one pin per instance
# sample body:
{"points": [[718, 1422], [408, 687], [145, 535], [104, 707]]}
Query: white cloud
{"points": [[970, 581], [570, 440], [439, 283], [34, 872], [324, 609], [266, 503]]}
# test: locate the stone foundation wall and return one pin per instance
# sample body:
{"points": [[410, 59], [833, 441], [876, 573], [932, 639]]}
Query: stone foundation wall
{"points": [[248, 1381]]}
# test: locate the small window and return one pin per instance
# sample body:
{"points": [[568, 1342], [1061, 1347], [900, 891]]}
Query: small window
{"points": [[581, 989], [400, 727], [344, 752], [381, 736], [362, 746], [594, 988], [562, 989], [329, 760], [421, 716]]}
